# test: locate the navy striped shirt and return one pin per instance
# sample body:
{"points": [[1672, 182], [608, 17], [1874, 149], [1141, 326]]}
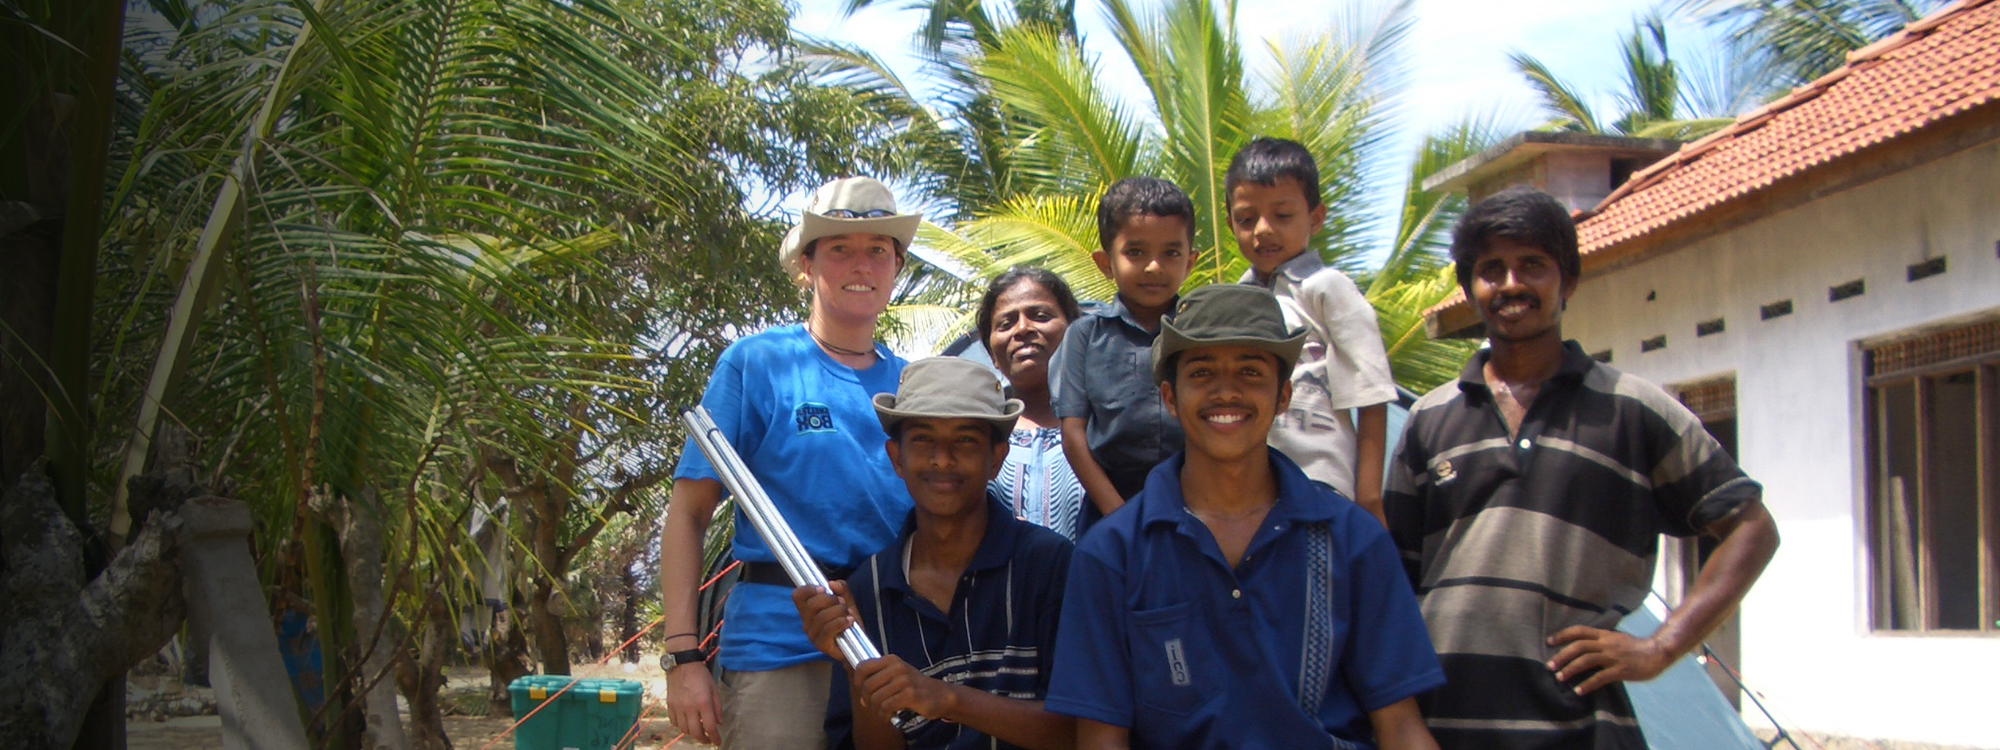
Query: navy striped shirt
{"points": [[999, 636], [1509, 540]]}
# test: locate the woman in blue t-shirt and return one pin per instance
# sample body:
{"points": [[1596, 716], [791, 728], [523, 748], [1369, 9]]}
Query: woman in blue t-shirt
{"points": [[1022, 319], [794, 401]]}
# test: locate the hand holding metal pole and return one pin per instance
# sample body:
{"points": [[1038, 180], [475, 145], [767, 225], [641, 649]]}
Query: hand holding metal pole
{"points": [[770, 524]]}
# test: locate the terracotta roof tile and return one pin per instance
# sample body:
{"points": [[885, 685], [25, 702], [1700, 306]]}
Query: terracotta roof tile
{"points": [[1932, 69]]}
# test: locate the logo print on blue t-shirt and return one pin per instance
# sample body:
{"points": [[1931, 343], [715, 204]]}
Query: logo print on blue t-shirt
{"points": [[1177, 663], [813, 418]]}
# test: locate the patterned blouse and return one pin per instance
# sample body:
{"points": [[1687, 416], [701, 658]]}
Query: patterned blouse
{"points": [[1036, 482]]}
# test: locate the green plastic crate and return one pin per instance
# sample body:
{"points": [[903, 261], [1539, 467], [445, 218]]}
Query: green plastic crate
{"points": [[593, 715]]}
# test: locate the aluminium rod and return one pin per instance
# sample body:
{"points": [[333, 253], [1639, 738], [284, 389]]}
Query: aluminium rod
{"points": [[771, 525]]}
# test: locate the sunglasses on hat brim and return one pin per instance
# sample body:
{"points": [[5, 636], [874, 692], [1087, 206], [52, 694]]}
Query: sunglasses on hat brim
{"points": [[842, 213]]}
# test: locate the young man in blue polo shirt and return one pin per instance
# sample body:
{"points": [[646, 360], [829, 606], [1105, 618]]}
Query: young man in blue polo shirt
{"points": [[1238, 603], [964, 604]]}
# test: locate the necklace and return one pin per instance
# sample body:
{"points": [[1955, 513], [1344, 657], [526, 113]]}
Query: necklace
{"points": [[837, 349]]}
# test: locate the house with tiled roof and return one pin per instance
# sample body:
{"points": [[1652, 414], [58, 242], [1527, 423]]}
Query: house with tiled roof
{"points": [[1820, 282]]}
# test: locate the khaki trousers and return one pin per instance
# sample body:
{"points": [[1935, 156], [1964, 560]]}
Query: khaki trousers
{"points": [[781, 709]]}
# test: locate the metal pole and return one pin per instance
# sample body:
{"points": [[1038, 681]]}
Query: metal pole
{"points": [[770, 524]]}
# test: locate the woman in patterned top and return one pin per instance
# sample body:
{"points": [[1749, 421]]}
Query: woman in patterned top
{"points": [[1022, 318]]}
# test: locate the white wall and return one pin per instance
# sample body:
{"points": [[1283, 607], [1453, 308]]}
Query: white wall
{"points": [[1807, 644]]}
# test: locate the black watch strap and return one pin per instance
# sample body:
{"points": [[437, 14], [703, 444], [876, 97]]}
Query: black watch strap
{"points": [[672, 659]]}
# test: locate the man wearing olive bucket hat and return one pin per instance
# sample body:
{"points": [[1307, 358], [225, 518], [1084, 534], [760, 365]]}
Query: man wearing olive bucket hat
{"points": [[1238, 603], [794, 401], [964, 604]]}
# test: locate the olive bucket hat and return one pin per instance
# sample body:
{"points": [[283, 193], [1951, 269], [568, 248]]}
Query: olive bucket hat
{"points": [[1224, 315], [849, 205], [948, 388]]}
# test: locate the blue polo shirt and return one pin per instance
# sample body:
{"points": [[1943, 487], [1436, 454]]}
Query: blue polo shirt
{"points": [[998, 637], [1314, 629], [1103, 373]]}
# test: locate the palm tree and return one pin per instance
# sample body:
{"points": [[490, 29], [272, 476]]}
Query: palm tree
{"points": [[1769, 47], [1076, 138], [1655, 99], [958, 22], [1072, 138], [61, 61], [1051, 138], [1807, 39], [1417, 273], [384, 258]]}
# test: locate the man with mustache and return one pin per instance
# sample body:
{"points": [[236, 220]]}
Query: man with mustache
{"points": [[1528, 497]]}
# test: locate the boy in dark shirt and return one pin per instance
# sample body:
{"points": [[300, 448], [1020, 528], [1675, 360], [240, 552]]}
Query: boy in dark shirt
{"points": [[1113, 427]]}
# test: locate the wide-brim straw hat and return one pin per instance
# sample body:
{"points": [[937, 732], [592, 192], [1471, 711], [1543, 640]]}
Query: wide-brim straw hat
{"points": [[1224, 315], [859, 196], [948, 388]]}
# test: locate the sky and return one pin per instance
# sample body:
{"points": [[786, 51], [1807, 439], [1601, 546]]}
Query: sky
{"points": [[1456, 55]]}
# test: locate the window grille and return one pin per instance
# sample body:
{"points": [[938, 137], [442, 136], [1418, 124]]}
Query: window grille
{"points": [[1941, 347], [1933, 444]]}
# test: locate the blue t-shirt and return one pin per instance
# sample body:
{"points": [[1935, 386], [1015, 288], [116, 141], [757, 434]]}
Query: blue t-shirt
{"points": [[998, 637], [1316, 627], [804, 425]]}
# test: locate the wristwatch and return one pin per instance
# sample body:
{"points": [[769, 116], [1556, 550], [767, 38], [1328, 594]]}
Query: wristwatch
{"points": [[672, 659]]}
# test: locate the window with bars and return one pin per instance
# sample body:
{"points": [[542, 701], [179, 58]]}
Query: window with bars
{"points": [[1933, 422]]}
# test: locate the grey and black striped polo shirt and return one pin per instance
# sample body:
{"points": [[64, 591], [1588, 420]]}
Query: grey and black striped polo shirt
{"points": [[1509, 540]]}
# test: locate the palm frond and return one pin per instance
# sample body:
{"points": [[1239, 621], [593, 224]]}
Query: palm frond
{"points": [[1732, 78], [1567, 109], [1680, 130], [1081, 139], [1810, 38], [855, 69], [1652, 82], [1421, 244], [1205, 115], [1326, 95], [1057, 232], [1417, 361]]}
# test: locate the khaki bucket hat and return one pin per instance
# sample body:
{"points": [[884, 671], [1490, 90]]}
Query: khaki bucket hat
{"points": [[948, 388]]}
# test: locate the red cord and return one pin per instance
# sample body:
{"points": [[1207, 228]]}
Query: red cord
{"points": [[572, 683]]}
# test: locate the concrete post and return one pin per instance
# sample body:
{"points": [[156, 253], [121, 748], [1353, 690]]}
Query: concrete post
{"points": [[225, 601]]}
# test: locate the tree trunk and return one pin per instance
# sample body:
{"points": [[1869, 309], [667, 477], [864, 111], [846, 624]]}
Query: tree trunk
{"points": [[628, 619], [551, 644], [421, 676], [545, 542], [29, 264], [62, 639], [506, 661]]}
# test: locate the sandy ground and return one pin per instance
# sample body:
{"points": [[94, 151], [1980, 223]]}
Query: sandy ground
{"points": [[465, 686]]}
